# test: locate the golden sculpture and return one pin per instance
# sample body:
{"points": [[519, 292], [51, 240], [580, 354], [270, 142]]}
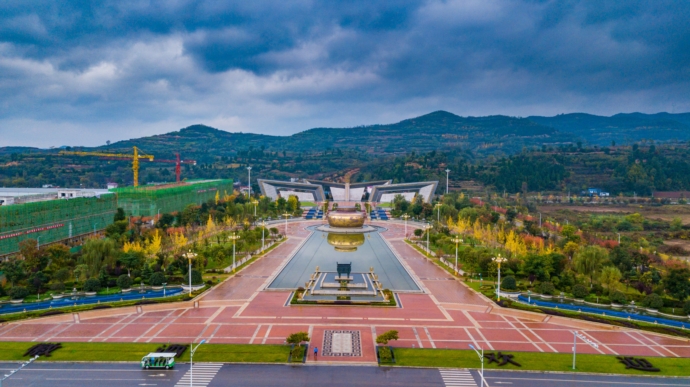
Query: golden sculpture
{"points": [[345, 242], [346, 218]]}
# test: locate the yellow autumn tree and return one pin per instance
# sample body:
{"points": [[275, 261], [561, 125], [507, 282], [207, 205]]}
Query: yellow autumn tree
{"points": [[217, 197], [229, 222], [153, 245], [132, 247], [477, 230], [515, 245], [179, 240], [210, 226]]}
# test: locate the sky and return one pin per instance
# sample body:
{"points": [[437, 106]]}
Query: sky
{"points": [[87, 72]]}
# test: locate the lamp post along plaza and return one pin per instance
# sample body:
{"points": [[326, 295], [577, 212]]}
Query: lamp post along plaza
{"points": [[481, 359], [427, 228], [447, 172], [255, 203], [191, 361], [405, 218], [249, 170], [234, 237], [190, 255], [456, 240], [438, 213], [286, 215], [14, 371], [499, 260], [263, 229]]}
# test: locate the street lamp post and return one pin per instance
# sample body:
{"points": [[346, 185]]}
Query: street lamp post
{"points": [[286, 215], [456, 240], [38, 243], [619, 238], [540, 220], [263, 228], [447, 172], [164, 283], [427, 228], [481, 359], [234, 237], [191, 361], [499, 260], [190, 255], [583, 338], [5, 376], [438, 213], [255, 202], [249, 170], [405, 218]]}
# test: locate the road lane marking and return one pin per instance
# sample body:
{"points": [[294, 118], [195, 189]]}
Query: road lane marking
{"points": [[628, 383], [457, 378]]}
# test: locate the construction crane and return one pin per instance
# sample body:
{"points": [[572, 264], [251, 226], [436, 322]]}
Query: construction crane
{"points": [[134, 157], [177, 163]]}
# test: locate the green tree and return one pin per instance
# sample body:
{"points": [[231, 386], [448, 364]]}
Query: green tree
{"points": [[157, 279], [297, 339], [610, 276], [98, 253], [119, 215], [28, 249], [385, 337], [541, 266], [509, 283], [580, 291], [569, 232], [653, 301], [92, 285], [677, 283], [14, 271], [590, 260], [132, 260], [124, 281], [676, 224], [61, 275]]}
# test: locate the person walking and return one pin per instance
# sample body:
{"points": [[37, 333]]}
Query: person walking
{"points": [[316, 352]]}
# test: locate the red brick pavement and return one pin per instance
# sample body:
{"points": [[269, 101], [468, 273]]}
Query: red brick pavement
{"points": [[451, 316]]}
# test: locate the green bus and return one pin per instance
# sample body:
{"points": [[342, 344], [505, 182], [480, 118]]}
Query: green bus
{"points": [[158, 360]]}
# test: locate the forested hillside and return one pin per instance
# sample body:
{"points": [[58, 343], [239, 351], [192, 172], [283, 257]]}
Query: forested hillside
{"points": [[507, 153]]}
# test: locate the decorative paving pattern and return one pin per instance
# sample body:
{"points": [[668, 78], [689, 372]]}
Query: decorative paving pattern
{"points": [[342, 343]]}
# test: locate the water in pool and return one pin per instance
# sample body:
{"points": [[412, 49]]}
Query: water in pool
{"points": [[362, 250]]}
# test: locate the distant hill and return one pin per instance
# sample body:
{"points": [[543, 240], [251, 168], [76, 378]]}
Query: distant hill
{"points": [[435, 131], [439, 130], [621, 128]]}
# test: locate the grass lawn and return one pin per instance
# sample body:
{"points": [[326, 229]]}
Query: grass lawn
{"points": [[536, 361], [135, 351]]}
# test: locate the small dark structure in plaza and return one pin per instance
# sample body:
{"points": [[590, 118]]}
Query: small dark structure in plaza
{"points": [[344, 270]]}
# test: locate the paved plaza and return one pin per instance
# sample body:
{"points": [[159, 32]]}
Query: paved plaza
{"points": [[240, 310]]}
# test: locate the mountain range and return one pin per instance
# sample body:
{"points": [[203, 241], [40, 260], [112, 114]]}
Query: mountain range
{"points": [[439, 130]]}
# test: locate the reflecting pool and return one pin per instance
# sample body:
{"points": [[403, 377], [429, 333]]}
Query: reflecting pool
{"points": [[362, 250]]}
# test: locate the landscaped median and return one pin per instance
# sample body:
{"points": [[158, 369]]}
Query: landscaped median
{"points": [[133, 352], [537, 361]]}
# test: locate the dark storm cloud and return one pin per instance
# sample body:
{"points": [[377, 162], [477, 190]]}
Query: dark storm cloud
{"points": [[92, 66]]}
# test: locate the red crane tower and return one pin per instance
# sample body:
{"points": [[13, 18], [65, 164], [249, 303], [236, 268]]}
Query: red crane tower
{"points": [[177, 163]]}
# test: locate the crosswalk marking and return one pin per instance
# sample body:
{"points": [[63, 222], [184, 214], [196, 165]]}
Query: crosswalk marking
{"points": [[203, 375], [457, 378]]}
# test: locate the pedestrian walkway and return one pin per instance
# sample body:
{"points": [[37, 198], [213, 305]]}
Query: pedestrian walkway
{"points": [[453, 378], [203, 375]]}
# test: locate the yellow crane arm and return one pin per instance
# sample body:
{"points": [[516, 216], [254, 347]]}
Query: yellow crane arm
{"points": [[103, 154], [135, 159]]}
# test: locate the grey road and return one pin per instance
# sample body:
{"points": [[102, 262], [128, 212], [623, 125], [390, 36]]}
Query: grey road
{"points": [[236, 375]]}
